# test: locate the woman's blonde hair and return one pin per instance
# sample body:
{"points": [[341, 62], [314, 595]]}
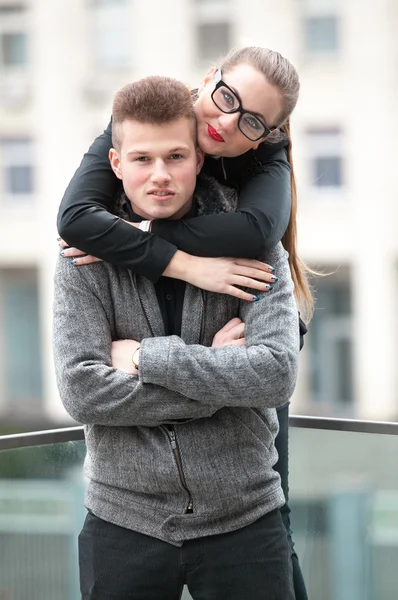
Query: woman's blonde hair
{"points": [[279, 72]]}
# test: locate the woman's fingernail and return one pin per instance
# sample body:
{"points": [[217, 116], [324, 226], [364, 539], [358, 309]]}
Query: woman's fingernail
{"points": [[274, 278], [62, 253], [269, 287], [255, 298], [73, 261], [271, 269], [58, 239]]}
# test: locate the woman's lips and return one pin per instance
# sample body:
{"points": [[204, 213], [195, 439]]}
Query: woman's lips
{"points": [[214, 135]]}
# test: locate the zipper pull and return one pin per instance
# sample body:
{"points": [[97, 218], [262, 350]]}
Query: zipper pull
{"points": [[190, 507], [173, 439]]}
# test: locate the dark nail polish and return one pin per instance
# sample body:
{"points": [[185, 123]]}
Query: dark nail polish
{"points": [[255, 298], [274, 278], [271, 269], [270, 287], [58, 239], [73, 261], [62, 253]]}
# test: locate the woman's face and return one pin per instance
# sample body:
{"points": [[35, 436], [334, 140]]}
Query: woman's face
{"points": [[218, 132]]}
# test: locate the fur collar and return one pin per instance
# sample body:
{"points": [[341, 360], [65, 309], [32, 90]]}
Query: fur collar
{"points": [[211, 197]]}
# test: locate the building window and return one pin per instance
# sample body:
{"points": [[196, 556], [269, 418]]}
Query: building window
{"points": [[213, 40], [111, 34], [321, 34], [325, 158], [14, 49], [13, 37], [330, 341], [16, 180], [20, 345]]}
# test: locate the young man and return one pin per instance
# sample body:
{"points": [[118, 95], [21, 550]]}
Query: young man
{"points": [[177, 396]]}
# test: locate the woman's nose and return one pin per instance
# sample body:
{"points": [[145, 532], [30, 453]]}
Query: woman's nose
{"points": [[229, 123]]}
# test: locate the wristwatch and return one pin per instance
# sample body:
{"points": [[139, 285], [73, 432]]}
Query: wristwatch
{"points": [[135, 359]]}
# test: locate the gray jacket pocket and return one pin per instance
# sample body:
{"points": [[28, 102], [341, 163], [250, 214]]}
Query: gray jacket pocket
{"points": [[263, 426]]}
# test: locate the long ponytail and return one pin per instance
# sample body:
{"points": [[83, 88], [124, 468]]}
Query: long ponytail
{"points": [[298, 268]]}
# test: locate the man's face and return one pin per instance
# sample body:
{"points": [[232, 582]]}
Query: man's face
{"points": [[158, 165]]}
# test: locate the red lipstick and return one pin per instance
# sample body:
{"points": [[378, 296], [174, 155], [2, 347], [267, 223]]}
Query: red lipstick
{"points": [[214, 135]]}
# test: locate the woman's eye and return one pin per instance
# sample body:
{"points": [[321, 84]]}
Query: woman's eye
{"points": [[252, 122], [228, 98]]}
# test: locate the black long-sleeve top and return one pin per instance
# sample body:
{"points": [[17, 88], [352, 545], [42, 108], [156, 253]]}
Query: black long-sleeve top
{"points": [[261, 177]]}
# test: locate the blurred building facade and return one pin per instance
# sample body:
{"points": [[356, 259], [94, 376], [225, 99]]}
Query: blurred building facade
{"points": [[61, 62]]}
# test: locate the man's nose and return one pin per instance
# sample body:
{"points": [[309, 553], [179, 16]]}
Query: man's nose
{"points": [[229, 122], [160, 172]]}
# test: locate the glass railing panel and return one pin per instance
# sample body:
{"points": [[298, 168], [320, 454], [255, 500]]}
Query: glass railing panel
{"points": [[344, 500], [41, 513]]}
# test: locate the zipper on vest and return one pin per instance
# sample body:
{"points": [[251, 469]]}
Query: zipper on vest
{"points": [[223, 168], [176, 451]]}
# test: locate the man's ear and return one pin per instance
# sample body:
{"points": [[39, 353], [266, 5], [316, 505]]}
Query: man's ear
{"points": [[200, 159], [114, 159]]}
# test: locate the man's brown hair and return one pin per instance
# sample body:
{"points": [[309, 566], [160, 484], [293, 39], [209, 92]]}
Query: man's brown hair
{"points": [[154, 100]]}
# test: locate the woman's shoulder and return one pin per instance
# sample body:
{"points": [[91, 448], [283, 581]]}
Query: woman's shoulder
{"points": [[267, 150], [235, 171]]}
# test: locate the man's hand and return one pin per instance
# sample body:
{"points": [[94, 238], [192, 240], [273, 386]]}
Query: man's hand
{"points": [[122, 353], [223, 275], [232, 334]]}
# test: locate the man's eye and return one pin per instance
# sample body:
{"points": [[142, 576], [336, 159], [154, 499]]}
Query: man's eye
{"points": [[142, 159], [176, 156]]}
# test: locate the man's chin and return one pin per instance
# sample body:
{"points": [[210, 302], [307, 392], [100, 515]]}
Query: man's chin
{"points": [[164, 213]]}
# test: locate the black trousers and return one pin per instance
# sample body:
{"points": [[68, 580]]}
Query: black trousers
{"points": [[252, 563], [282, 466]]}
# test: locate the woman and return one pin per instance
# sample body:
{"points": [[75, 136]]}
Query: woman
{"points": [[243, 109]]}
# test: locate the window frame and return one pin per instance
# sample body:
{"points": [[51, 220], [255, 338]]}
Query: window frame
{"points": [[325, 143], [23, 157], [109, 21], [10, 404], [14, 22], [313, 51]]}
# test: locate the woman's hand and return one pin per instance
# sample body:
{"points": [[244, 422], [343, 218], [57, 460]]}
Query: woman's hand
{"points": [[77, 257], [122, 353], [232, 334], [223, 275]]}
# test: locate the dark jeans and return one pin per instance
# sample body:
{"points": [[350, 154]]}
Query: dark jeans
{"points": [[282, 466], [252, 563]]}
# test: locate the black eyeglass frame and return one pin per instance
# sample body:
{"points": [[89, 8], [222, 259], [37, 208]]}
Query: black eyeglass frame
{"points": [[239, 108]]}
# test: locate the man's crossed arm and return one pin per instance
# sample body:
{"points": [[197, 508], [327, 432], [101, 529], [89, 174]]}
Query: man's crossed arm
{"points": [[176, 381]]}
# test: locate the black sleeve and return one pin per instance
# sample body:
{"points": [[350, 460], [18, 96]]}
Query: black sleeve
{"points": [[84, 220], [258, 224]]}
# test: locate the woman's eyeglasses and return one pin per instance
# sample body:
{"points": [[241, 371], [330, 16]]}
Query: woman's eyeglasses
{"points": [[229, 102]]}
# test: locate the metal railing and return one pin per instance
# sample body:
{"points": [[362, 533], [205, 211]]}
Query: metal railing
{"points": [[72, 434]]}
